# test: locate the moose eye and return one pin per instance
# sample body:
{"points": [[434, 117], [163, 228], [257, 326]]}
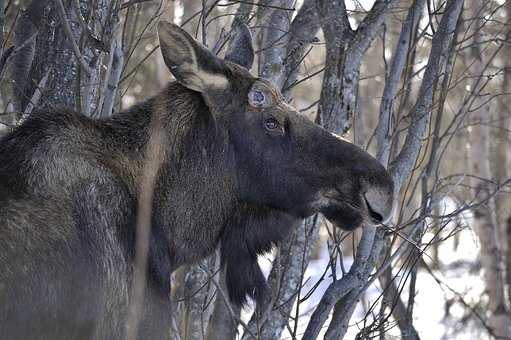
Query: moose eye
{"points": [[257, 98], [271, 124]]}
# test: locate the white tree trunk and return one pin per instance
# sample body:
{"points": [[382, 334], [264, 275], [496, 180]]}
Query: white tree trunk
{"points": [[484, 215]]}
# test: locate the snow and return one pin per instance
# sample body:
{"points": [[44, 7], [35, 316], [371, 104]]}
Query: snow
{"points": [[458, 277]]}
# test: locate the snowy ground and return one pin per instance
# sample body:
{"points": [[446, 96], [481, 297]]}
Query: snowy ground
{"points": [[458, 275]]}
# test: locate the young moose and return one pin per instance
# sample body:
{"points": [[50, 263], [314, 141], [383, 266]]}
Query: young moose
{"points": [[236, 166]]}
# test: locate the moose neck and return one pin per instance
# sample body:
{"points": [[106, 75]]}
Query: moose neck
{"points": [[194, 191]]}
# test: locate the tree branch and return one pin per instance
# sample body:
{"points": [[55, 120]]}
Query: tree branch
{"points": [[25, 32], [370, 246], [2, 21], [302, 31], [269, 319], [343, 287], [111, 83], [275, 36], [225, 317], [344, 55], [131, 3], [370, 26], [383, 133], [69, 33], [402, 166]]}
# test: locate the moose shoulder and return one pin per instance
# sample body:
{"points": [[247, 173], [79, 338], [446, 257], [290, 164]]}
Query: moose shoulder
{"points": [[235, 165]]}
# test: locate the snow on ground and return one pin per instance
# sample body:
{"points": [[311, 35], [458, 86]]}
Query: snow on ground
{"points": [[459, 277]]}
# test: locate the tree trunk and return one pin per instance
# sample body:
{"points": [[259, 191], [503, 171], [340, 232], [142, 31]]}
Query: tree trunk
{"points": [[71, 37], [276, 23], [223, 323], [399, 58], [401, 168], [501, 159], [485, 224], [2, 21], [285, 280], [197, 295]]}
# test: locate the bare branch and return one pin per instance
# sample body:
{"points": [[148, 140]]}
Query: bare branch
{"points": [[225, 317], [2, 21], [393, 300], [264, 5], [332, 111], [244, 10], [402, 166], [383, 133], [368, 251], [343, 287], [370, 26], [37, 94], [4, 58], [275, 36], [345, 50], [111, 83], [69, 33], [24, 40], [269, 319], [302, 32]]}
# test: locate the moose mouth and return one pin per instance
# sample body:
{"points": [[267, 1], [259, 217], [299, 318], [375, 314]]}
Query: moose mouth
{"points": [[349, 215], [375, 217]]}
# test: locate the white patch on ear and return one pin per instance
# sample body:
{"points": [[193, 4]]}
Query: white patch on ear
{"points": [[340, 137], [199, 80], [213, 81]]}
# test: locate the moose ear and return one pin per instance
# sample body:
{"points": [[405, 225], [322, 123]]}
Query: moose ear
{"points": [[240, 49], [190, 62]]}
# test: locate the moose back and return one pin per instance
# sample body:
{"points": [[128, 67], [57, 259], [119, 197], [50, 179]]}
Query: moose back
{"points": [[234, 165]]}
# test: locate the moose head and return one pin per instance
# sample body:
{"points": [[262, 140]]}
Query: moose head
{"points": [[283, 160], [286, 167]]}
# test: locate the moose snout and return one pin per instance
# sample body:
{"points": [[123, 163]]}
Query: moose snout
{"points": [[380, 204]]}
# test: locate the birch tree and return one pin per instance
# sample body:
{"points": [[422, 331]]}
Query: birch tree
{"points": [[485, 220]]}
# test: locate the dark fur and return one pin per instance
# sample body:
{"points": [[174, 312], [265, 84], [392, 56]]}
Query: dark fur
{"points": [[252, 231], [68, 198]]}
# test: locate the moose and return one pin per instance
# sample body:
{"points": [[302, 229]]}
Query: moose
{"points": [[236, 167]]}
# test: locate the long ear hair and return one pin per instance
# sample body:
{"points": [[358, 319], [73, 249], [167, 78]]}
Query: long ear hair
{"points": [[252, 231]]}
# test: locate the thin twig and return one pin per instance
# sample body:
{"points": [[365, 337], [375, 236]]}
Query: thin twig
{"points": [[69, 34]]}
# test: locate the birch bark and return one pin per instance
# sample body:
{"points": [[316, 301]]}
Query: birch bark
{"points": [[484, 222]]}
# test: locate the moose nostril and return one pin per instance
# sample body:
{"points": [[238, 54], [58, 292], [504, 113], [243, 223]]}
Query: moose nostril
{"points": [[375, 216], [379, 203]]}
